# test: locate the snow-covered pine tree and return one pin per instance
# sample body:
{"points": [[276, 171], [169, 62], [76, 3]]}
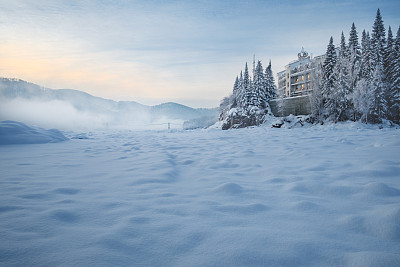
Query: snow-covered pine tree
{"points": [[363, 98], [395, 85], [353, 69], [366, 60], [353, 42], [388, 63], [235, 92], [388, 56], [378, 41], [340, 95], [241, 91], [380, 109], [328, 78], [246, 88], [270, 86], [259, 86], [378, 38]]}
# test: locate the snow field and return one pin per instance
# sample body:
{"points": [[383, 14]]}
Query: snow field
{"points": [[319, 196]]}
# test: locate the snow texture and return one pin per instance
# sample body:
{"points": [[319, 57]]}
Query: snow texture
{"points": [[309, 196], [12, 132]]}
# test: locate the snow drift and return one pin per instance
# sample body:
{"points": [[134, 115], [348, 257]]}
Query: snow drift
{"points": [[12, 132]]}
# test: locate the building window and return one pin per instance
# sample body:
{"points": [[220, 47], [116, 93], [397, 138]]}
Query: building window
{"points": [[302, 77], [308, 76]]}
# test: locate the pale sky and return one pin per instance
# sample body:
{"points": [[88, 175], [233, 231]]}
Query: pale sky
{"points": [[158, 51]]}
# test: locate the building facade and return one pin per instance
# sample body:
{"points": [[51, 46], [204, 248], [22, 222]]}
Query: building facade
{"points": [[298, 78]]}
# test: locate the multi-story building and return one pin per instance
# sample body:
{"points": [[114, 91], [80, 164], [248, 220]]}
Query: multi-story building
{"points": [[298, 77]]}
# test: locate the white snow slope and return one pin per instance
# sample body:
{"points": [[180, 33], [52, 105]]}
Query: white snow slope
{"points": [[319, 196], [13, 132]]}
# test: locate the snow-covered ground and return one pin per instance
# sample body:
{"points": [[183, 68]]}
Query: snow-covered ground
{"points": [[318, 196]]}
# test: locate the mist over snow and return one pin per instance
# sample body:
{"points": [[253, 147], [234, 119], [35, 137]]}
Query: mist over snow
{"points": [[52, 114], [67, 109]]}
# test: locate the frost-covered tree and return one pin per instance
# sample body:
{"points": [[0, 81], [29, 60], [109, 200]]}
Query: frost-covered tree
{"points": [[316, 97], [354, 44], [259, 84], [380, 110], [246, 87], [340, 94], [366, 60], [270, 89], [248, 104], [389, 60], [235, 92], [378, 39], [353, 69], [225, 106], [395, 84], [363, 98], [328, 78], [241, 91]]}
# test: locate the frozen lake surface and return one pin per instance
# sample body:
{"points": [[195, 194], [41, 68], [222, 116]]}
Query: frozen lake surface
{"points": [[319, 196]]}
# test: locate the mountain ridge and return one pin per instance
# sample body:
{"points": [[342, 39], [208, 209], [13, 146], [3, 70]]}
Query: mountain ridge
{"points": [[119, 111]]}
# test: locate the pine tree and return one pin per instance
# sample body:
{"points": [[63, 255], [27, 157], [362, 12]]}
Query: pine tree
{"points": [[241, 92], [259, 86], [353, 69], [380, 110], [366, 63], [388, 63], [246, 87], [341, 91], [363, 98], [343, 48], [378, 39], [395, 80], [328, 78], [235, 92], [388, 56], [270, 87], [354, 45]]}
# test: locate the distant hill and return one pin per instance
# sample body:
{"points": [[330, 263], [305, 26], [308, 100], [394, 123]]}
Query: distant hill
{"points": [[117, 112]]}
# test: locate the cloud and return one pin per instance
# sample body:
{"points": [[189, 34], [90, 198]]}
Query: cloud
{"points": [[161, 50]]}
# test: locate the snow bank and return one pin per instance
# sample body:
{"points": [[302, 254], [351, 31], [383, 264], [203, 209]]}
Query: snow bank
{"points": [[12, 132], [317, 196]]}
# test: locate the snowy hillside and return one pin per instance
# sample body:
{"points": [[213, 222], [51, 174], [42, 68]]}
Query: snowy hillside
{"points": [[68, 109], [320, 196]]}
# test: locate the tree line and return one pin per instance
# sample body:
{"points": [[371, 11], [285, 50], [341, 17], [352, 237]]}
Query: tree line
{"points": [[360, 81], [357, 81], [248, 102]]}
